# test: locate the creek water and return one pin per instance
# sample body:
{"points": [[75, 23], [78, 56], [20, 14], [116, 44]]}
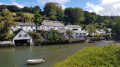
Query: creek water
{"points": [[17, 56]]}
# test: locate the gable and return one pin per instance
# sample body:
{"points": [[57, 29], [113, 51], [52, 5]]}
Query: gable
{"points": [[22, 35]]}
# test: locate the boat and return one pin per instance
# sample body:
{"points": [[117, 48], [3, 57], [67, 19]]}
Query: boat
{"points": [[35, 61], [91, 42]]}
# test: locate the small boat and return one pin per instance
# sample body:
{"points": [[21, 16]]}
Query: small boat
{"points": [[91, 42], [35, 61]]}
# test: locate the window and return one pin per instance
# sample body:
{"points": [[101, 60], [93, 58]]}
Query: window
{"points": [[31, 26], [76, 33], [33, 30], [20, 35], [29, 30], [25, 35], [76, 36]]}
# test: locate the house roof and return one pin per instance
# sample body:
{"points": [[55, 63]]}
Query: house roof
{"points": [[52, 23], [25, 24], [80, 31], [22, 32], [73, 25]]}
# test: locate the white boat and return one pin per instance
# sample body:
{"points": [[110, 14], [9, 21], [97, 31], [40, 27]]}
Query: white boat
{"points": [[35, 61]]}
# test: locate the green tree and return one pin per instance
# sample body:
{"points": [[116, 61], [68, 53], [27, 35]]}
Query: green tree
{"points": [[6, 23], [91, 29], [116, 30], [74, 15], [70, 34], [53, 36], [54, 11], [38, 19]]}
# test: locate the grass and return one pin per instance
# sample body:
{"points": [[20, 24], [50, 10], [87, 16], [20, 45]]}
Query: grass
{"points": [[29, 15]]}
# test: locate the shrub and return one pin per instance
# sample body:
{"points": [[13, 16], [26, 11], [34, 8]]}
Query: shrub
{"points": [[102, 56]]}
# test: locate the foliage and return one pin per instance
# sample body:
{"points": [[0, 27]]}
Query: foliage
{"points": [[32, 34], [6, 22], [74, 15], [116, 30], [38, 19], [91, 29], [54, 11], [53, 36], [69, 33], [102, 56]]}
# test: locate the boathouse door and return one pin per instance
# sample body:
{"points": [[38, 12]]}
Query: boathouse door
{"points": [[25, 42]]}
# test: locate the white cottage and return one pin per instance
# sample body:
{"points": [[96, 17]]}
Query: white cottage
{"points": [[26, 26], [48, 25], [22, 38], [101, 31], [79, 34]]}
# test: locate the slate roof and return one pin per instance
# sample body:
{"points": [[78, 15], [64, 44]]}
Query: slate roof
{"points": [[81, 31], [73, 25], [52, 23]]}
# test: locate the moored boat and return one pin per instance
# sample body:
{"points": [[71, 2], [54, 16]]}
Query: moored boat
{"points": [[35, 61]]}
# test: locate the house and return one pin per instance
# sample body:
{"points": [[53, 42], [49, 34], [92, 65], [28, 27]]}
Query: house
{"points": [[101, 31], [79, 34], [73, 27], [26, 26], [22, 38], [48, 25]]}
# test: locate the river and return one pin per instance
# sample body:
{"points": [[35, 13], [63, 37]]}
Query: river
{"points": [[16, 57]]}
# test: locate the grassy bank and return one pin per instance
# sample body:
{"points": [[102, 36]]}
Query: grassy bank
{"points": [[102, 56]]}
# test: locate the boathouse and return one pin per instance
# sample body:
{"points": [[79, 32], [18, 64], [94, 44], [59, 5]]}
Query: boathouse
{"points": [[22, 39]]}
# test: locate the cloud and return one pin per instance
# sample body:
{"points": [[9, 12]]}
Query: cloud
{"points": [[17, 4], [58, 1], [13, 3], [106, 7]]}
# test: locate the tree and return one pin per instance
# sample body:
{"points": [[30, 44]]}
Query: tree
{"points": [[38, 19], [37, 10], [116, 30], [54, 11], [6, 23], [69, 33], [53, 36], [13, 8], [91, 29], [74, 15]]}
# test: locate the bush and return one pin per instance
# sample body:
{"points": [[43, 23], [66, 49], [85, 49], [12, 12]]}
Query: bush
{"points": [[102, 56]]}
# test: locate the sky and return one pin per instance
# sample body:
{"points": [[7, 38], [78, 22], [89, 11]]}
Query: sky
{"points": [[101, 7]]}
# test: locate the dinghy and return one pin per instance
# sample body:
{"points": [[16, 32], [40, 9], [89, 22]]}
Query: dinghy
{"points": [[35, 61]]}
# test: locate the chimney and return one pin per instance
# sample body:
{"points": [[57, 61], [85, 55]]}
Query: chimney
{"points": [[25, 20]]}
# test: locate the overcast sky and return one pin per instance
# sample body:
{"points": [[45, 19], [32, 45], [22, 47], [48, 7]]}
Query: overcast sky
{"points": [[102, 7]]}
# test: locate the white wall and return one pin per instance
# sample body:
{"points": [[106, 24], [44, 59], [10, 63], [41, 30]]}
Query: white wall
{"points": [[48, 28], [79, 35], [26, 28]]}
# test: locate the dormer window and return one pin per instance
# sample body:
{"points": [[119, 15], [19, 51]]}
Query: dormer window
{"points": [[20, 35], [25, 35]]}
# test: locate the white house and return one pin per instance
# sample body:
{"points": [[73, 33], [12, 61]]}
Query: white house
{"points": [[22, 38], [73, 27], [101, 31], [79, 34], [48, 25], [26, 26]]}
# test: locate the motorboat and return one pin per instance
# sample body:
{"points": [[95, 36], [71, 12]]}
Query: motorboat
{"points": [[35, 61]]}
